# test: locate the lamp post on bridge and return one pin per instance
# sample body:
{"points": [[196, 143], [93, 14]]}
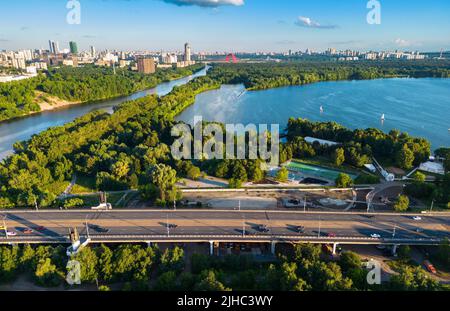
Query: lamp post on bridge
{"points": [[320, 224], [4, 226]]}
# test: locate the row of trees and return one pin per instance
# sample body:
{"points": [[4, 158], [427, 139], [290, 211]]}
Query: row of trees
{"points": [[136, 267]]}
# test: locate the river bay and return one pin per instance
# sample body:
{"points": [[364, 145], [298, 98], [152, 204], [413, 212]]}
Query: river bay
{"points": [[420, 107]]}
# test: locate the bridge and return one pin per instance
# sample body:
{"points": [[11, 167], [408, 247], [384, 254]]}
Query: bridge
{"points": [[231, 57], [217, 226]]}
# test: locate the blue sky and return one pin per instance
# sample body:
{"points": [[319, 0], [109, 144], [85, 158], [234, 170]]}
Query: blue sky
{"points": [[228, 25]]}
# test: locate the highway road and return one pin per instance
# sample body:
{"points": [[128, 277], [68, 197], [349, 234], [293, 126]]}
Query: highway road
{"points": [[207, 225]]}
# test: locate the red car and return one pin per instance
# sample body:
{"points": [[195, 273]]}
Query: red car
{"points": [[40, 228], [28, 231], [331, 235]]}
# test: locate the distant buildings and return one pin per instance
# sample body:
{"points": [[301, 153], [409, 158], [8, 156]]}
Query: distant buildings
{"points": [[169, 58], [146, 65]]}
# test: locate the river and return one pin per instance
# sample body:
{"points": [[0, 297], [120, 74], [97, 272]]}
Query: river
{"points": [[23, 128], [420, 107]]}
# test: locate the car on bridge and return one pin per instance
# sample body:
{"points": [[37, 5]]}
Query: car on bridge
{"points": [[375, 236], [40, 228], [11, 233], [263, 228], [331, 234], [417, 218], [98, 228], [300, 229], [27, 231]]}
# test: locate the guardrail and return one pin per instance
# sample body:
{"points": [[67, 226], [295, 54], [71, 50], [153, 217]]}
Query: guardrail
{"points": [[189, 238]]}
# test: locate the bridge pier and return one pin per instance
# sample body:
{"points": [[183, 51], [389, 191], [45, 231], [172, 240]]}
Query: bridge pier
{"points": [[334, 248], [394, 249], [211, 248], [272, 247]]}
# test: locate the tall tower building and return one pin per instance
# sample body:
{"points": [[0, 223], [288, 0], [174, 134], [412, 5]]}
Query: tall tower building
{"points": [[187, 52], [73, 47], [55, 47], [93, 52], [50, 45]]}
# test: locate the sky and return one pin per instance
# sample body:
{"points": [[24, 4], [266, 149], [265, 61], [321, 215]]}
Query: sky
{"points": [[227, 25]]}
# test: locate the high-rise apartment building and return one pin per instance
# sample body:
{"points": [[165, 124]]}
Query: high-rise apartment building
{"points": [[187, 52], [146, 65]]}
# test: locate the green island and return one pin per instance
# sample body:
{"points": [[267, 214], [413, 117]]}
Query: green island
{"points": [[68, 85]]}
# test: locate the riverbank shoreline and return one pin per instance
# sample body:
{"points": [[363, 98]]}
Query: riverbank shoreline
{"points": [[57, 103]]}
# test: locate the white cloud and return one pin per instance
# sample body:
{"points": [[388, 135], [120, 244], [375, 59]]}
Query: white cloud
{"points": [[206, 3], [307, 22], [402, 42]]}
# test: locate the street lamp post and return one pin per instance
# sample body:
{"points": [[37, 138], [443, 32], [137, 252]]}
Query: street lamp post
{"points": [[320, 224], [87, 227], [167, 226], [4, 226]]}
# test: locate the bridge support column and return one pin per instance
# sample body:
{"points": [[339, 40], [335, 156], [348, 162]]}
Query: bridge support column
{"points": [[394, 249], [272, 247], [211, 248], [334, 248]]}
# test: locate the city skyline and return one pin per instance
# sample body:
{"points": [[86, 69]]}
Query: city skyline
{"points": [[217, 25]]}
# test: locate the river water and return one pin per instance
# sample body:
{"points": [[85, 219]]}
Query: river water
{"points": [[23, 128], [420, 107]]}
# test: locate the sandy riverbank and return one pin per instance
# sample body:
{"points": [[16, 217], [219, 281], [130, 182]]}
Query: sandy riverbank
{"points": [[48, 102]]}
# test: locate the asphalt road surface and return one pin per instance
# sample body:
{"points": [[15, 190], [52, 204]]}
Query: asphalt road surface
{"points": [[214, 223]]}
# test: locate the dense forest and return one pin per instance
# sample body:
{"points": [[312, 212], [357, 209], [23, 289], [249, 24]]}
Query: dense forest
{"points": [[131, 149], [270, 75], [17, 98], [81, 84], [135, 267]]}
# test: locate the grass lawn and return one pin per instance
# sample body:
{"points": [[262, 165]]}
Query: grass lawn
{"points": [[93, 199], [59, 186], [84, 184]]}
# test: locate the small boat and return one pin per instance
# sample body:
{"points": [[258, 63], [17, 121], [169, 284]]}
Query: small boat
{"points": [[382, 117], [321, 109], [242, 93]]}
